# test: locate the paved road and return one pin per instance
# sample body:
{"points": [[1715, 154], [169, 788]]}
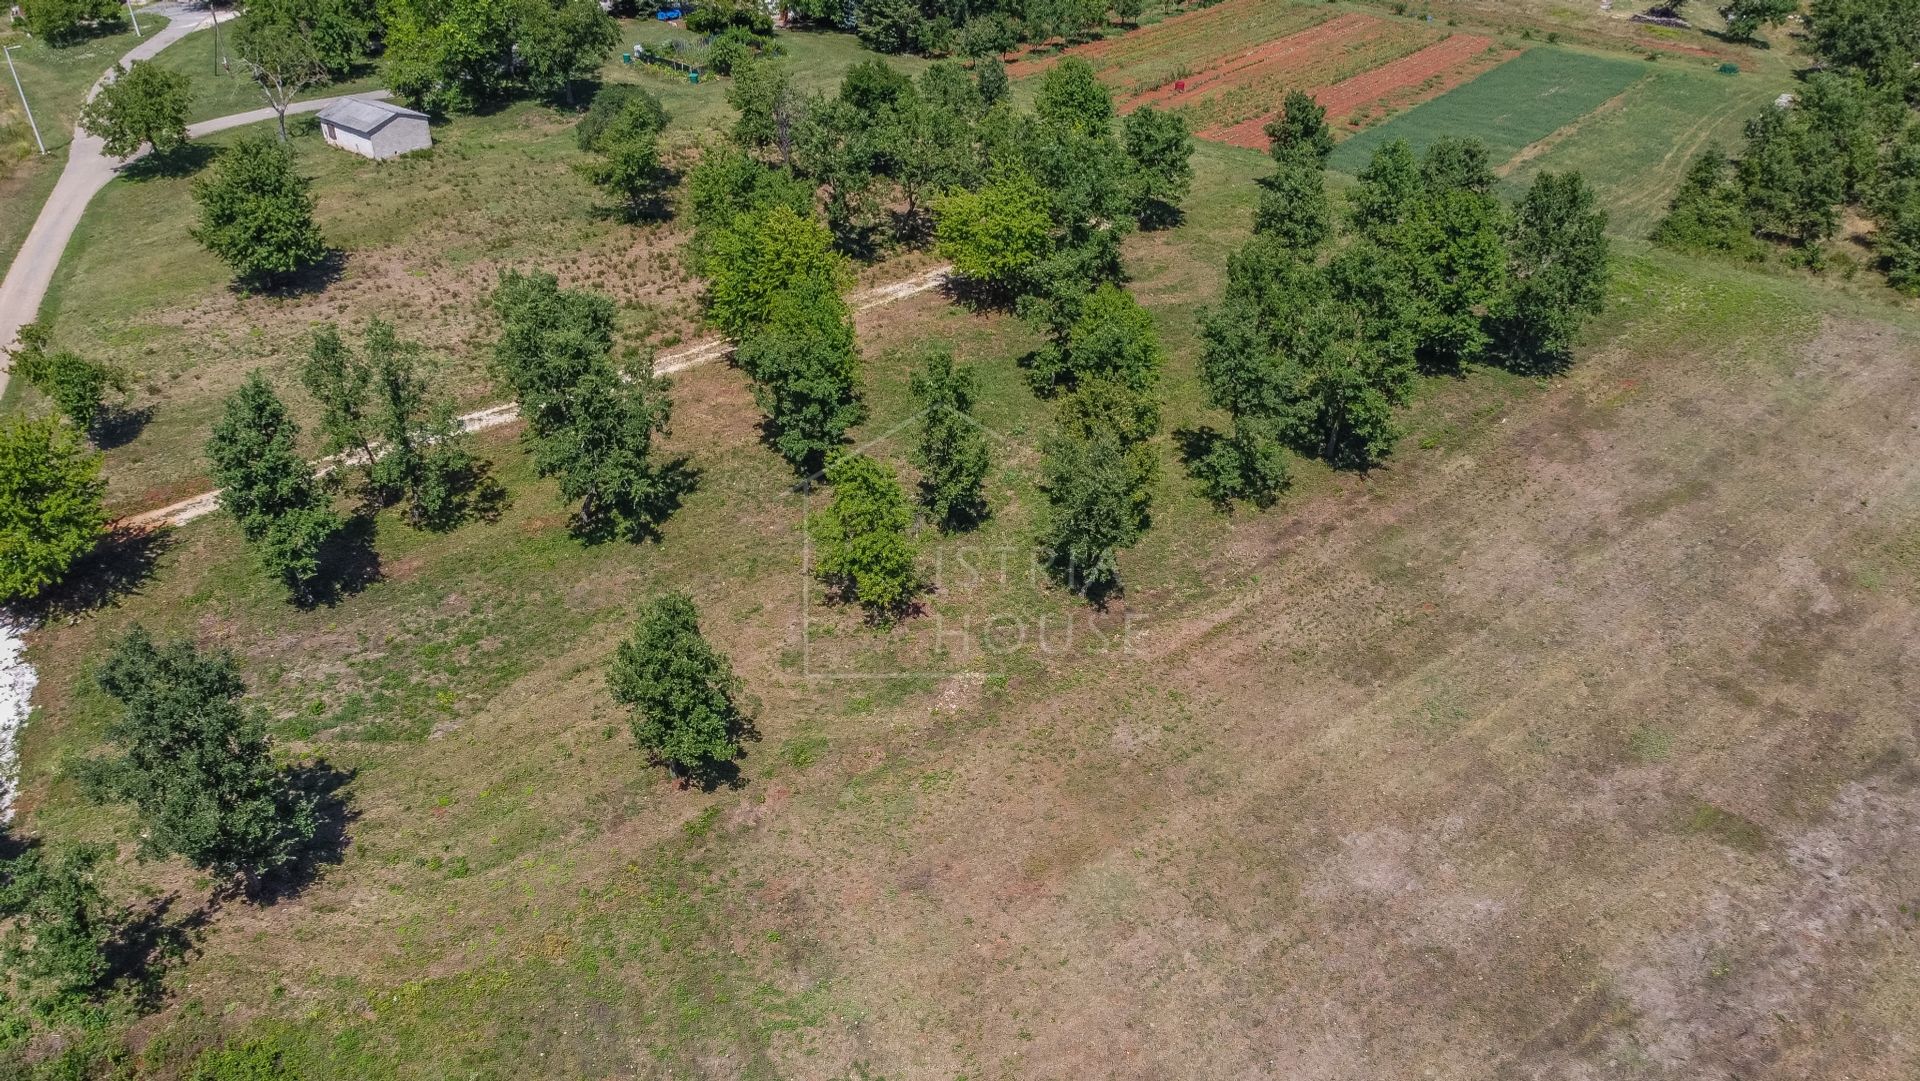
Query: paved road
{"points": [[88, 170]]}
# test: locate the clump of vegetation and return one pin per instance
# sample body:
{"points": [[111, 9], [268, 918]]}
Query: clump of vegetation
{"points": [[269, 489], [1848, 139], [64, 22], [196, 762], [256, 213], [141, 106], [1313, 351], [51, 512], [683, 693]]}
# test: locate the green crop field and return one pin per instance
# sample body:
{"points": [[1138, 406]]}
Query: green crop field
{"points": [[1635, 153], [1516, 104]]}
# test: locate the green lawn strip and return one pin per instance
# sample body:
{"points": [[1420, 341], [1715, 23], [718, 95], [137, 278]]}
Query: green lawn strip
{"points": [[222, 89], [1514, 105], [1636, 153]]}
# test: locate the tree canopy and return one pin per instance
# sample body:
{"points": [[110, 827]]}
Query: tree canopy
{"points": [[269, 489], [51, 512], [861, 544], [256, 212], [682, 691], [144, 105], [195, 761]]}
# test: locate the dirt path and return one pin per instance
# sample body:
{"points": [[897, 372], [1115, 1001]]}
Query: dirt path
{"points": [[88, 170], [494, 416]]}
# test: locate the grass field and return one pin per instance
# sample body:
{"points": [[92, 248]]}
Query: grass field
{"points": [[1636, 151], [222, 90], [1516, 104], [1574, 741]]}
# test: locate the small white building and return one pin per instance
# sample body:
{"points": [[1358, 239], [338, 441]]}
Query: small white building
{"points": [[374, 129]]}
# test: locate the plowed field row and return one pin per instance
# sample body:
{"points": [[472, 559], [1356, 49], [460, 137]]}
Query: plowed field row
{"points": [[1431, 71], [1250, 87]]}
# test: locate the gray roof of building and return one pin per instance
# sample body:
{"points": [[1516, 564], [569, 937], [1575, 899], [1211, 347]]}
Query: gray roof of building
{"points": [[365, 117]]}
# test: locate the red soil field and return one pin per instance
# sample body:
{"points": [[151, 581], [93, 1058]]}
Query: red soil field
{"points": [[1429, 72], [1249, 66]]}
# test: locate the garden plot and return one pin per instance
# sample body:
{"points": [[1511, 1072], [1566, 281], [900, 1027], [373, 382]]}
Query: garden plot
{"points": [[1176, 48], [1509, 108]]}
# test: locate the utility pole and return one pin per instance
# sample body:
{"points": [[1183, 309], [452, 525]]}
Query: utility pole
{"points": [[135, 18], [23, 99], [216, 35]]}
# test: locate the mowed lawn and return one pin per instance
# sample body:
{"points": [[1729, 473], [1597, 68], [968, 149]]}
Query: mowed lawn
{"points": [[1516, 104], [221, 86]]}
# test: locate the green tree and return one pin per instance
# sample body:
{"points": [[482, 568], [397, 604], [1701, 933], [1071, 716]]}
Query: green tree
{"points": [[1898, 241], [627, 162], [63, 22], [804, 367], [1454, 255], [268, 488], [1299, 135], [60, 926], [759, 257], [75, 385], [726, 186], [375, 411], [862, 548], [283, 58], [1558, 272], [952, 454], [1790, 181], [1111, 337], [50, 505], [1161, 150], [256, 213], [561, 43], [1389, 189], [891, 26], [1879, 39], [1097, 505], [615, 101], [339, 31], [1071, 96], [769, 107], [196, 762], [996, 236], [988, 37], [835, 145], [1293, 208], [1456, 164], [449, 55], [990, 74], [590, 422], [340, 380], [1746, 17], [682, 691], [144, 105], [1708, 212]]}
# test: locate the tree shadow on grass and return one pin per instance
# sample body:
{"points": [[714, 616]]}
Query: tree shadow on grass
{"points": [[182, 161], [313, 278], [116, 426], [713, 776], [672, 482], [118, 566], [325, 785], [155, 937], [349, 562]]}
